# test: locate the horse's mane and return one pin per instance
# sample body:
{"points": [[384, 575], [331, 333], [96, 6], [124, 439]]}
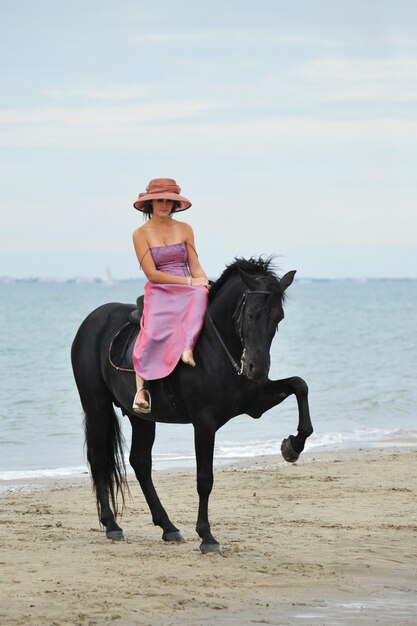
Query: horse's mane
{"points": [[256, 266]]}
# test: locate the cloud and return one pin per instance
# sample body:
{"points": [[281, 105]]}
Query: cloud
{"points": [[99, 116], [344, 80], [131, 91], [403, 41], [172, 37], [185, 126], [323, 80], [230, 34], [120, 115]]}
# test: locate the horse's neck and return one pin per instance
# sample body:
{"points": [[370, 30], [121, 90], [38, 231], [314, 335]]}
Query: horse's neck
{"points": [[224, 305]]}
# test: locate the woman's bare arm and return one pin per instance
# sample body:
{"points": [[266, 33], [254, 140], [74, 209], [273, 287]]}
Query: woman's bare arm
{"points": [[193, 262]]}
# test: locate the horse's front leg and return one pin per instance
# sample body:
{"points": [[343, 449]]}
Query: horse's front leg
{"points": [[276, 391], [143, 437], [204, 434]]}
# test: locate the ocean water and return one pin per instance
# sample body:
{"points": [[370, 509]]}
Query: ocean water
{"points": [[354, 342]]}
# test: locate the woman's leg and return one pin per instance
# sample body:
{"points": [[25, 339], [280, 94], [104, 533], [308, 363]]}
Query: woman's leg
{"points": [[193, 323]]}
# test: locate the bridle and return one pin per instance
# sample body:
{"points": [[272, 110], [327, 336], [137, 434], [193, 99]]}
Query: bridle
{"points": [[238, 317]]}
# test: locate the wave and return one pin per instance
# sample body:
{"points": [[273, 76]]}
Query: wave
{"points": [[231, 450], [56, 472], [365, 437]]}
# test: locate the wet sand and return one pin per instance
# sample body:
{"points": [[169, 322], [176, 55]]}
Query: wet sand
{"points": [[330, 540]]}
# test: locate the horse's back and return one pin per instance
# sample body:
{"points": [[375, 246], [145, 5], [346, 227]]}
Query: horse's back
{"points": [[98, 326], [104, 313]]}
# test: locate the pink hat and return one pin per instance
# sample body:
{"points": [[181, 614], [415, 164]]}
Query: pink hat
{"points": [[162, 188]]}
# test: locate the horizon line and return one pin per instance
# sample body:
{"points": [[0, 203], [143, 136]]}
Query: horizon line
{"points": [[109, 281]]}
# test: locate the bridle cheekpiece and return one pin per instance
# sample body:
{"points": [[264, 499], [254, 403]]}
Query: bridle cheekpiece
{"points": [[238, 317]]}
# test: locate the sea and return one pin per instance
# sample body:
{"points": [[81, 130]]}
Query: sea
{"points": [[353, 341]]}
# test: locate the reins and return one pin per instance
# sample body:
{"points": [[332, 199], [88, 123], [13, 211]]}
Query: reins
{"points": [[238, 316], [239, 371]]}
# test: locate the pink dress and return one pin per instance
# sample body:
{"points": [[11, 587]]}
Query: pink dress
{"points": [[172, 319]]}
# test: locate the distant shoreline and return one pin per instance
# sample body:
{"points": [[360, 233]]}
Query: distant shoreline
{"points": [[81, 280]]}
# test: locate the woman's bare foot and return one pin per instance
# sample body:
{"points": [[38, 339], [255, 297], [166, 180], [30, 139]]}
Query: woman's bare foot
{"points": [[188, 358], [142, 401]]}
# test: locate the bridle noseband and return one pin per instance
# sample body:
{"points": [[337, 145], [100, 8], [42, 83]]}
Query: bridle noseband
{"points": [[238, 317]]}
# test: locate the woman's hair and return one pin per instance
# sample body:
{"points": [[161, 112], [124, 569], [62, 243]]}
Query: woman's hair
{"points": [[147, 208]]}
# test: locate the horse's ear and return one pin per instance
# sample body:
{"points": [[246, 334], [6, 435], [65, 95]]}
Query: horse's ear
{"points": [[287, 279], [250, 281]]}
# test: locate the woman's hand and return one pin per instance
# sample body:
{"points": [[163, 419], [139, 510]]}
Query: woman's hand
{"points": [[197, 282]]}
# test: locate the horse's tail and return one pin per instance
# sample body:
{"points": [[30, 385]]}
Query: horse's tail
{"points": [[104, 445], [104, 442]]}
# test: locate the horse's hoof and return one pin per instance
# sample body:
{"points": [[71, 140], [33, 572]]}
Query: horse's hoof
{"points": [[115, 535], [211, 548], [288, 452], [173, 537]]}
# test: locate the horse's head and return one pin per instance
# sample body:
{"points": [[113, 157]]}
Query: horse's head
{"points": [[257, 310], [258, 313]]}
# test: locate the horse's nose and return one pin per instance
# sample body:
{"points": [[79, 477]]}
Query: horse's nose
{"points": [[258, 373]]}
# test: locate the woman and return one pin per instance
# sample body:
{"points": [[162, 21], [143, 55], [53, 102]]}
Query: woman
{"points": [[175, 299]]}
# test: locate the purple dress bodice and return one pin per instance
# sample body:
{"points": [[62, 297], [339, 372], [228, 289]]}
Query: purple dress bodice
{"points": [[171, 259]]}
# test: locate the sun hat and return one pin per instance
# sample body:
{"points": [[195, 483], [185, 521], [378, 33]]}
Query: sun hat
{"points": [[165, 189]]}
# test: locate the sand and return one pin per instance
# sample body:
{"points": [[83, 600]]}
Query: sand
{"points": [[330, 540]]}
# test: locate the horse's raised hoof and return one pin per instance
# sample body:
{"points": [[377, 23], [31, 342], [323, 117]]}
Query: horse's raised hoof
{"points": [[173, 537], [288, 452], [211, 548], [115, 535]]}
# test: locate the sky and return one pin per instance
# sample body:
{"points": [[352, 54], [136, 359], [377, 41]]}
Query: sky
{"points": [[291, 126]]}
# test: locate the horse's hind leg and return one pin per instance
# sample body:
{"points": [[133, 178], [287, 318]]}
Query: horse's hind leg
{"points": [[143, 437]]}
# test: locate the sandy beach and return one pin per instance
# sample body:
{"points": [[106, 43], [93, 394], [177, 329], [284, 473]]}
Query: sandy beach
{"points": [[330, 540]]}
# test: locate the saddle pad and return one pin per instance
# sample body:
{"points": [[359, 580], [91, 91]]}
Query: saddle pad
{"points": [[123, 342], [121, 347]]}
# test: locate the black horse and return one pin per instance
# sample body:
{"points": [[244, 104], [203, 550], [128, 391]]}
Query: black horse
{"points": [[245, 307]]}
